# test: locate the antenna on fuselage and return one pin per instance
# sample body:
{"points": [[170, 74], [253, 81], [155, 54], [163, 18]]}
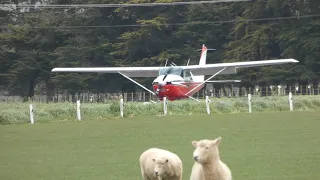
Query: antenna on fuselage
{"points": [[188, 62], [166, 63]]}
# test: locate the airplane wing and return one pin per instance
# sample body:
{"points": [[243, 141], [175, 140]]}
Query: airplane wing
{"points": [[207, 69], [231, 68], [128, 71]]}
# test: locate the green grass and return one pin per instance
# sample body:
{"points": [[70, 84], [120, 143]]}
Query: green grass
{"points": [[277, 146], [16, 113]]}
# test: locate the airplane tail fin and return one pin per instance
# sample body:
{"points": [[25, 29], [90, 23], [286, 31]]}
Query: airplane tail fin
{"points": [[203, 56], [203, 59], [202, 62]]}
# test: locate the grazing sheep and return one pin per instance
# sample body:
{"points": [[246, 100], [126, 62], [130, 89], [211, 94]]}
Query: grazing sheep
{"points": [[159, 164], [208, 165]]}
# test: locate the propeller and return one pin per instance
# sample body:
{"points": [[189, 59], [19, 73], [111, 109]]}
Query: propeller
{"points": [[164, 77], [164, 82]]}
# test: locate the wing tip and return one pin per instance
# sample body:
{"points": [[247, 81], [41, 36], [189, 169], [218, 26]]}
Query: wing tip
{"points": [[289, 60], [55, 70], [60, 69]]}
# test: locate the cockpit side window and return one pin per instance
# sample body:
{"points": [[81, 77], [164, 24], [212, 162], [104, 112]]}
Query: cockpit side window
{"points": [[187, 76]]}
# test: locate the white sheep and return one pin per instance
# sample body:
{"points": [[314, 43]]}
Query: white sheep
{"points": [[208, 165], [160, 164]]}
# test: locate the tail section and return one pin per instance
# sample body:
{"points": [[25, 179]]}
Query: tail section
{"points": [[203, 56], [203, 61]]}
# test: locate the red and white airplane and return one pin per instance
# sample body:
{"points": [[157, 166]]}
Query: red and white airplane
{"points": [[179, 82]]}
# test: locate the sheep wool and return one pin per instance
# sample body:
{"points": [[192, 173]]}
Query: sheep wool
{"points": [[207, 165], [160, 164]]}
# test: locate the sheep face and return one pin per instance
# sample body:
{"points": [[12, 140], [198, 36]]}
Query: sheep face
{"points": [[161, 166], [205, 150]]}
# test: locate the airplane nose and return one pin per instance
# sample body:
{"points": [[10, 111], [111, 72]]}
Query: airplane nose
{"points": [[162, 83]]}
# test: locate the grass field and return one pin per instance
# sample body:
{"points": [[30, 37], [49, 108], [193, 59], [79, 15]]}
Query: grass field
{"points": [[277, 146]]}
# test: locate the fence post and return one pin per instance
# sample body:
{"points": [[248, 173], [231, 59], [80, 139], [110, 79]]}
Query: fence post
{"points": [[132, 97], [208, 104], [290, 101], [165, 105], [78, 110], [121, 106], [249, 102], [31, 114]]}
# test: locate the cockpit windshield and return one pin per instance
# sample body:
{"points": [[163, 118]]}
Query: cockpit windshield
{"points": [[171, 70]]}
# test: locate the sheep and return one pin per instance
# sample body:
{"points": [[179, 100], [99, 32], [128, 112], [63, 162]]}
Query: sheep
{"points": [[160, 164], [207, 165]]}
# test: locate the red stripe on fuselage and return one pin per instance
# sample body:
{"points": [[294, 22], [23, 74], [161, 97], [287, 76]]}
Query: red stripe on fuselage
{"points": [[177, 91]]}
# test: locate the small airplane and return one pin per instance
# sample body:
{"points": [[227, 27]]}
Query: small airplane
{"points": [[179, 82]]}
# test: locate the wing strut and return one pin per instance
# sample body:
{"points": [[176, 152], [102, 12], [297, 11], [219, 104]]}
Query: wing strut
{"points": [[206, 80], [193, 98], [137, 83]]}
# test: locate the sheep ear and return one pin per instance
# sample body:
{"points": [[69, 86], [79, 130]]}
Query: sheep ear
{"points": [[194, 143], [217, 141]]}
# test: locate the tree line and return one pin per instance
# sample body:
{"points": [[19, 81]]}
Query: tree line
{"points": [[35, 40]]}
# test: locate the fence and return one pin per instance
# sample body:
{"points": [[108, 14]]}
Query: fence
{"points": [[225, 91], [122, 110]]}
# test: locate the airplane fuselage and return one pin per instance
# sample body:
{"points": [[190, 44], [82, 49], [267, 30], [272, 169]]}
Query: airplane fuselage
{"points": [[174, 91], [174, 87]]}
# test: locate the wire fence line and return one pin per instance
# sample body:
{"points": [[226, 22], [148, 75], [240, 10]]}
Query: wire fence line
{"points": [[125, 5], [176, 24], [226, 91]]}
